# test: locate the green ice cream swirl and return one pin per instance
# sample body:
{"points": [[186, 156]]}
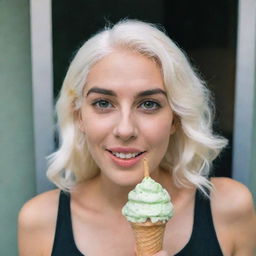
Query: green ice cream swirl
{"points": [[149, 200]]}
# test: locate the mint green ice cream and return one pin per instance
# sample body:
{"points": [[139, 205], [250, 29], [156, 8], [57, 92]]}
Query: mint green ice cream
{"points": [[149, 200]]}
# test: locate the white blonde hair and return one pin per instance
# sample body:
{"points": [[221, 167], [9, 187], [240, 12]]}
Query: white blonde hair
{"points": [[191, 149]]}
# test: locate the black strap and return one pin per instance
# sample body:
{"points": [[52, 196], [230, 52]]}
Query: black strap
{"points": [[203, 240], [64, 244]]}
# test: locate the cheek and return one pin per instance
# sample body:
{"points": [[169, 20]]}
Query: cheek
{"points": [[157, 135], [160, 135], [95, 127], [157, 130]]}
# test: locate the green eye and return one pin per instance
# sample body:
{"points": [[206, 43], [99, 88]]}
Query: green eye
{"points": [[150, 105], [102, 104]]}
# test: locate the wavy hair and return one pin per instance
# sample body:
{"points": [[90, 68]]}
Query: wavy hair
{"points": [[193, 146]]}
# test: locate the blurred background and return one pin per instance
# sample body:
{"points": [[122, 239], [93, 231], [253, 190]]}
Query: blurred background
{"points": [[38, 40], [206, 31]]}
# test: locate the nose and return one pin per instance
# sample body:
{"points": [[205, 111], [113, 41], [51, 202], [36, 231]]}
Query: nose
{"points": [[126, 127]]}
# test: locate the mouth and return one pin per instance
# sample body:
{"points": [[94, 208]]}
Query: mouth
{"points": [[126, 156]]}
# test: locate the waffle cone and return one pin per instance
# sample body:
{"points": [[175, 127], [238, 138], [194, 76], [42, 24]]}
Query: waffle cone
{"points": [[148, 237]]}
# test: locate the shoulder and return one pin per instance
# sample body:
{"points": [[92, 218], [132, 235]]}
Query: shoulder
{"points": [[39, 209], [231, 197], [36, 223], [234, 214]]}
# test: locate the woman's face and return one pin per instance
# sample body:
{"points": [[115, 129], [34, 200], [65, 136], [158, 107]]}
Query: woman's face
{"points": [[125, 116]]}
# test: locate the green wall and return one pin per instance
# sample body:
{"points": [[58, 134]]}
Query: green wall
{"points": [[252, 185], [17, 167]]}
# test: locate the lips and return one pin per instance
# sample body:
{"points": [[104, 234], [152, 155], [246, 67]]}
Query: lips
{"points": [[124, 150], [125, 157]]}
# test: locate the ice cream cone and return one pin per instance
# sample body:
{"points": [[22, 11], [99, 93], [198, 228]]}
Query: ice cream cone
{"points": [[148, 237], [148, 209]]}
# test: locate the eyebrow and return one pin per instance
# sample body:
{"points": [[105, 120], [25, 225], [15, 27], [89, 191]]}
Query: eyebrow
{"points": [[140, 94], [152, 92], [101, 91]]}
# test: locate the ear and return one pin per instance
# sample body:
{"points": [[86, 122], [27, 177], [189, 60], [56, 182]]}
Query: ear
{"points": [[175, 122], [78, 120]]}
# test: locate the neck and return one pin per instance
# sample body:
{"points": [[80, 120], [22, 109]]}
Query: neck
{"points": [[114, 196]]}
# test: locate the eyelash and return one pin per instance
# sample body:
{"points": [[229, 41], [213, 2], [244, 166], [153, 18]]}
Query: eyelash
{"points": [[156, 104], [98, 101]]}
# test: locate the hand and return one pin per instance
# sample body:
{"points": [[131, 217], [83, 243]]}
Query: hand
{"points": [[161, 253]]}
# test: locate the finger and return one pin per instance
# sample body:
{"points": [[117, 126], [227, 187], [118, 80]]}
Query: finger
{"points": [[135, 251], [161, 253]]}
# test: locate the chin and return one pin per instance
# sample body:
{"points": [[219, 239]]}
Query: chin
{"points": [[128, 179]]}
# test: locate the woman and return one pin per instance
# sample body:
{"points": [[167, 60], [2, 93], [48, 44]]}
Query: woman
{"points": [[130, 93]]}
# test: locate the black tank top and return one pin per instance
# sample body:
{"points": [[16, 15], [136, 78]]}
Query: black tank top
{"points": [[203, 240]]}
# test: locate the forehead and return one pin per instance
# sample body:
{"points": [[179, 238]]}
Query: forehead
{"points": [[125, 70]]}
